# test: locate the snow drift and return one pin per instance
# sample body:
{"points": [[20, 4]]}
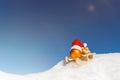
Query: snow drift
{"points": [[102, 67]]}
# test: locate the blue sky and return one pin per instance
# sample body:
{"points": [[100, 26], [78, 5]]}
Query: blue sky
{"points": [[37, 34]]}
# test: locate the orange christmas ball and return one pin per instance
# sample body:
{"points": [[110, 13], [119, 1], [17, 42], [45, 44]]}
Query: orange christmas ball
{"points": [[75, 53]]}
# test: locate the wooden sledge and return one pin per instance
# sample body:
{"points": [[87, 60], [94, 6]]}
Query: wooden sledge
{"points": [[80, 61]]}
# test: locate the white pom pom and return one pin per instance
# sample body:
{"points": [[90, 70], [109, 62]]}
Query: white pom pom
{"points": [[85, 44]]}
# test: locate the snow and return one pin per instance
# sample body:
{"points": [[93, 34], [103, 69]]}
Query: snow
{"points": [[102, 67]]}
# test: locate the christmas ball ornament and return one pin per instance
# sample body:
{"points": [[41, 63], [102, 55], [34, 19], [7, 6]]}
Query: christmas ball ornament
{"points": [[75, 53], [76, 49]]}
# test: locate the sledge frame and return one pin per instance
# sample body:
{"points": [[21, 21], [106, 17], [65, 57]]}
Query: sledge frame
{"points": [[80, 61]]}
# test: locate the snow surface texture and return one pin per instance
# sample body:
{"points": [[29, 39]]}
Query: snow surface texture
{"points": [[102, 67]]}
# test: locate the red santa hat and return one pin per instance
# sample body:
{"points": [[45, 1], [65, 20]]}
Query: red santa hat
{"points": [[77, 44]]}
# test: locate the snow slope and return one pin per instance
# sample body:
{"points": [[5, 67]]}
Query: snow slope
{"points": [[102, 67]]}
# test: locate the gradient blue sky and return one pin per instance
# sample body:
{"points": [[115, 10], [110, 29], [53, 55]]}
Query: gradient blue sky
{"points": [[37, 34]]}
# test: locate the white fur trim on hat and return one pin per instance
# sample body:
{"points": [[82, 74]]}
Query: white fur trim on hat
{"points": [[76, 47], [85, 44]]}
